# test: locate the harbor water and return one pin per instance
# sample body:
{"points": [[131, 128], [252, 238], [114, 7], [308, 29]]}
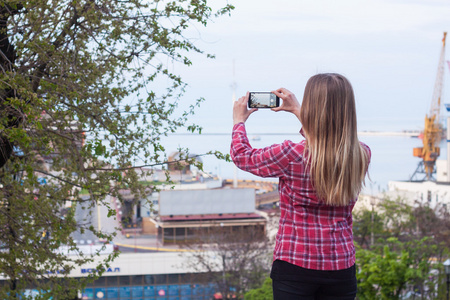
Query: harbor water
{"points": [[392, 155]]}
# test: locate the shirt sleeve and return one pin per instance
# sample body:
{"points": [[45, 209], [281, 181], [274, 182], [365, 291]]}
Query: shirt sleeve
{"points": [[369, 156], [368, 152], [265, 162]]}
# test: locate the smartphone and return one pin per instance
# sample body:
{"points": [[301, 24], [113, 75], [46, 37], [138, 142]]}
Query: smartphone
{"points": [[263, 100]]}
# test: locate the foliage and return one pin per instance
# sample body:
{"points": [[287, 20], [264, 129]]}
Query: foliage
{"points": [[86, 96], [397, 216], [407, 254], [389, 272], [389, 218], [434, 222], [367, 224], [265, 292], [233, 265]]}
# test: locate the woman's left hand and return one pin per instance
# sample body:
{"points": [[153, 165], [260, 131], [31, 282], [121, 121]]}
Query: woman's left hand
{"points": [[240, 110]]}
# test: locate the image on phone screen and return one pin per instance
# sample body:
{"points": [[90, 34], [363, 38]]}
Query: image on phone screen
{"points": [[263, 100]]}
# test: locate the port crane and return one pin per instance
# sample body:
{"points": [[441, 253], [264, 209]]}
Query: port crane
{"points": [[432, 131]]}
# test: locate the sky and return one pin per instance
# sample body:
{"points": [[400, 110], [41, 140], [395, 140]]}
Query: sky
{"points": [[389, 50]]}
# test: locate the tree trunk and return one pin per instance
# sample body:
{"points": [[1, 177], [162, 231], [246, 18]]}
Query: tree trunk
{"points": [[10, 117]]}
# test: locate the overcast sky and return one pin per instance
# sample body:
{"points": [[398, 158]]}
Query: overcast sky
{"points": [[389, 50]]}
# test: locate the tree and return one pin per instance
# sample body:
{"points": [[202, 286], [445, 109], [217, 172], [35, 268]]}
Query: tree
{"points": [[236, 260], [395, 269], [397, 216], [86, 97], [265, 292], [406, 258], [366, 224], [433, 221]]}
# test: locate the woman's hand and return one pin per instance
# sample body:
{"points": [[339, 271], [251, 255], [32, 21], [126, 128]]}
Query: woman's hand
{"points": [[240, 110], [290, 102]]}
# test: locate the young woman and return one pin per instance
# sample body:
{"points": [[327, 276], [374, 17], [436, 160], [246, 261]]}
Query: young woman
{"points": [[319, 182]]}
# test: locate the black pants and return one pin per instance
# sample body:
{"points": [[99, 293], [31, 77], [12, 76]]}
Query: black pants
{"points": [[291, 282]]}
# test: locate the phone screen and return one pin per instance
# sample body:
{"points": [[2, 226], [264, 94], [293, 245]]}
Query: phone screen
{"points": [[263, 100]]}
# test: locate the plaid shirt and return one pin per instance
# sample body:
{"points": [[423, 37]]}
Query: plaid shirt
{"points": [[311, 234]]}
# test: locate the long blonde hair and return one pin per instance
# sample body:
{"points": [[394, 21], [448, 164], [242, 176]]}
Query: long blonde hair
{"points": [[338, 163]]}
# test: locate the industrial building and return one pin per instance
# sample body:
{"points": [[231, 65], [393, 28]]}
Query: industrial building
{"points": [[188, 215]]}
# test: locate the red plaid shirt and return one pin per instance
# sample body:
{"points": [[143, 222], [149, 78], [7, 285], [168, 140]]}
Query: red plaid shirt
{"points": [[311, 234]]}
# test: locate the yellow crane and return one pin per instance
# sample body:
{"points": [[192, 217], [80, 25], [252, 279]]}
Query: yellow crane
{"points": [[432, 130]]}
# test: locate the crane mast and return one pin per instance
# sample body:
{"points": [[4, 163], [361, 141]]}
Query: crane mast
{"points": [[430, 150]]}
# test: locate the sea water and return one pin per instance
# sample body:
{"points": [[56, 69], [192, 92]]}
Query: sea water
{"points": [[392, 156]]}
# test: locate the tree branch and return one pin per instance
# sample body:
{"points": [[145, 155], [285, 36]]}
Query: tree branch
{"points": [[57, 177], [146, 166]]}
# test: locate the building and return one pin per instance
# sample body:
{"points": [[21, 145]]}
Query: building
{"points": [[143, 276], [429, 192], [187, 215], [148, 276]]}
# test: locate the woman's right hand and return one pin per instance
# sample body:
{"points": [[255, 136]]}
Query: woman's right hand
{"points": [[290, 102], [240, 110]]}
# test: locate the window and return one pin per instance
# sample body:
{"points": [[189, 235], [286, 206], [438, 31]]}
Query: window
{"points": [[168, 234], [124, 280], [180, 233], [101, 281], [112, 281], [160, 279], [136, 280], [172, 278], [149, 279]]}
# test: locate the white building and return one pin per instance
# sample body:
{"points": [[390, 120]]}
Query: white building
{"points": [[425, 192], [144, 276]]}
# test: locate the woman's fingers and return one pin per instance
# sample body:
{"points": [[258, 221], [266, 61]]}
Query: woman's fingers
{"points": [[278, 93], [282, 92], [240, 110], [290, 102]]}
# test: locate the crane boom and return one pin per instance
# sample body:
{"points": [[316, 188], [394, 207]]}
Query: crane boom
{"points": [[437, 93]]}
